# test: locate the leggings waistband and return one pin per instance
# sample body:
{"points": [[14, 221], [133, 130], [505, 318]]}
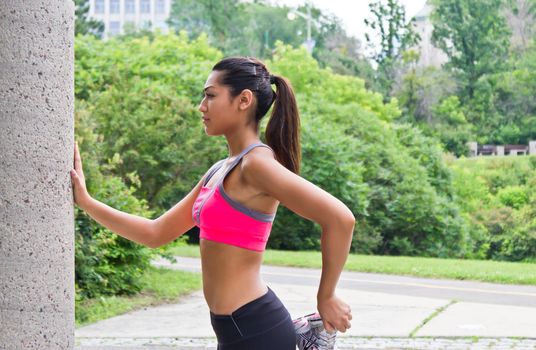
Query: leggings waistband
{"points": [[252, 318]]}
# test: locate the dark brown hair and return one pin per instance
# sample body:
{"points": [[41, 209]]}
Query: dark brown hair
{"points": [[283, 129]]}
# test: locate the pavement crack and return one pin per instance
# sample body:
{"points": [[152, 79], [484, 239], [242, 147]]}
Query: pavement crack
{"points": [[429, 318]]}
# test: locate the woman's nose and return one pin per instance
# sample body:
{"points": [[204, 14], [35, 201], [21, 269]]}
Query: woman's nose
{"points": [[202, 107]]}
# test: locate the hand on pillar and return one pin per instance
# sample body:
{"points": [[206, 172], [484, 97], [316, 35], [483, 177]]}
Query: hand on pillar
{"points": [[81, 196]]}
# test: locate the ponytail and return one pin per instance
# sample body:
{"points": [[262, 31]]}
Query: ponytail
{"points": [[283, 129]]}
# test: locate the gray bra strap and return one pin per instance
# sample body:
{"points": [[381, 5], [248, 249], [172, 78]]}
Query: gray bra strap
{"points": [[239, 157], [213, 170]]}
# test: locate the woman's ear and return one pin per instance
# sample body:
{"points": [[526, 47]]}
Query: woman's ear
{"points": [[245, 99]]}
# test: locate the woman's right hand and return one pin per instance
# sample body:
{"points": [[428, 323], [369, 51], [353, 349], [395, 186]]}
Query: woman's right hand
{"points": [[81, 196]]}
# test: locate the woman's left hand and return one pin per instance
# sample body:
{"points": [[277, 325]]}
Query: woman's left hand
{"points": [[335, 313]]}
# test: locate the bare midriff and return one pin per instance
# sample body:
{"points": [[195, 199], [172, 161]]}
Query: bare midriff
{"points": [[231, 276]]}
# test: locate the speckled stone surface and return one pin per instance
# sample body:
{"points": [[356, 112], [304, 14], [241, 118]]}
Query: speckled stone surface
{"points": [[36, 154]]}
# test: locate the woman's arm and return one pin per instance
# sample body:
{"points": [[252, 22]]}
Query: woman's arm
{"points": [[132, 227], [311, 202], [152, 233]]}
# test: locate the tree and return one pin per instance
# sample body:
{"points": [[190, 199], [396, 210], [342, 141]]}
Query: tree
{"points": [[222, 20], [83, 25], [396, 35], [475, 37], [252, 28]]}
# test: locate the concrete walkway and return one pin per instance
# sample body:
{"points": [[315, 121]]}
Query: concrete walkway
{"points": [[386, 316]]}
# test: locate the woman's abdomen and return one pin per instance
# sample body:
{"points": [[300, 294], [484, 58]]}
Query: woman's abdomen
{"points": [[231, 276]]}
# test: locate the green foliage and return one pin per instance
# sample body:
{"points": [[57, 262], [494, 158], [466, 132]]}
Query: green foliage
{"points": [[513, 196], [404, 211], [144, 147], [475, 37], [253, 28], [396, 36], [105, 263], [494, 82], [428, 152], [497, 194], [160, 285], [329, 162], [426, 102], [143, 97], [141, 138], [450, 126], [83, 25], [504, 108]]}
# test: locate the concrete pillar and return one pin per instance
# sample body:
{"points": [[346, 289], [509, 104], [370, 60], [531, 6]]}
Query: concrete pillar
{"points": [[500, 150], [36, 154], [532, 147], [473, 149]]}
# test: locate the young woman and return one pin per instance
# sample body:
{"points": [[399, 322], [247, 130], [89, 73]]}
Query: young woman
{"points": [[234, 205]]}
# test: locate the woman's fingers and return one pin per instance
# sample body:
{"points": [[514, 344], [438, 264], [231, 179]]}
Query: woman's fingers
{"points": [[329, 327], [78, 161], [345, 322]]}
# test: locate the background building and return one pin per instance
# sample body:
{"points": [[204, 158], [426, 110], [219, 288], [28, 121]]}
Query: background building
{"points": [[116, 14], [429, 54]]}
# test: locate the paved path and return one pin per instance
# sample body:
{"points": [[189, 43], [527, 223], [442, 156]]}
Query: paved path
{"points": [[469, 291], [390, 312]]}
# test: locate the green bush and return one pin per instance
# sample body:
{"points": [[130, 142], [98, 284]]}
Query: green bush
{"points": [[140, 95], [105, 263], [402, 194], [513, 196], [497, 194]]}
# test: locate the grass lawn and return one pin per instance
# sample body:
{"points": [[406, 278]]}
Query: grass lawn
{"points": [[476, 270], [161, 286]]}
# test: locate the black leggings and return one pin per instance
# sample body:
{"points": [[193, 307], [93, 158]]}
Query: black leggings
{"points": [[263, 323]]}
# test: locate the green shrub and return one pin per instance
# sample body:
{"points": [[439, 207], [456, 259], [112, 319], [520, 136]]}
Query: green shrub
{"points": [[401, 192], [513, 196], [502, 224]]}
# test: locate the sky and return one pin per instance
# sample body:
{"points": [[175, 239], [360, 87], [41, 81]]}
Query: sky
{"points": [[353, 12]]}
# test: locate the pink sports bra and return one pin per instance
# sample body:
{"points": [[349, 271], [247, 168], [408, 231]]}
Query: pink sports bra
{"points": [[222, 219]]}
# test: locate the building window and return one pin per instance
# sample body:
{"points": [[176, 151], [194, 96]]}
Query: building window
{"points": [[160, 24], [130, 6], [114, 28], [145, 25], [99, 6], [145, 6], [114, 6], [129, 26], [160, 6]]}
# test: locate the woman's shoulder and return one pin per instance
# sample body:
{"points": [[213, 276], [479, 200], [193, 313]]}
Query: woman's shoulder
{"points": [[259, 162], [258, 154]]}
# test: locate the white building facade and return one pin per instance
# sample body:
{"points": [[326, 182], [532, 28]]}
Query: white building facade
{"points": [[429, 54], [116, 14]]}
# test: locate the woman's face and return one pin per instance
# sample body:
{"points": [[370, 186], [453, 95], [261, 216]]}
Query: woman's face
{"points": [[220, 111]]}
